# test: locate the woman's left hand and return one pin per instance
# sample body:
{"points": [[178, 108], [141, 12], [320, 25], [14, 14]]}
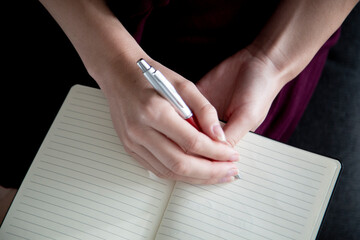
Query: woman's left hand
{"points": [[241, 88]]}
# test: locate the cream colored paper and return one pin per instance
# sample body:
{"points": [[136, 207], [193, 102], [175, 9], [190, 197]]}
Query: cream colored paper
{"points": [[83, 185], [283, 194]]}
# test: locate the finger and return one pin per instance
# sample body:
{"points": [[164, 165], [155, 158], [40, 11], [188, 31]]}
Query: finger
{"points": [[205, 113], [147, 160], [144, 157], [183, 165], [236, 128], [191, 141]]}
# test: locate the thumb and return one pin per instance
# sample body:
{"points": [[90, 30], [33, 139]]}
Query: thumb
{"points": [[237, 127]]}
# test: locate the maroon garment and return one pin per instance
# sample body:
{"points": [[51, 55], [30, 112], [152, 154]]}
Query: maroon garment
{"points": [[193, 36], [290, 104]]}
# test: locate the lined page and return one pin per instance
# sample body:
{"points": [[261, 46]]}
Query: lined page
{"points": [[283, 194], [82, 184]]}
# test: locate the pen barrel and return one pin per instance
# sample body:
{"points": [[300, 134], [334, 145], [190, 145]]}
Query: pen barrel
{"points": [[166, 89], [193, 121]]}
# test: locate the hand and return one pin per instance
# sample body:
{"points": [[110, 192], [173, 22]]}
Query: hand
{"points": [[157, 137], [241, 88]]}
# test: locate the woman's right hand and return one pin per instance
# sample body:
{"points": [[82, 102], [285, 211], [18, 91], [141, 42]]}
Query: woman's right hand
{"points": [[150, 129], [156, 135]]}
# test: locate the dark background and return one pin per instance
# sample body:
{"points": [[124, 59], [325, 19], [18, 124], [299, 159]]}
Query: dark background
{"points": [[40, 65], [331, 126]]}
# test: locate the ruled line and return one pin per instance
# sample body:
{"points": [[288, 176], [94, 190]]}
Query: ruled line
{"points": [[88, 129], [110, 173], [86, 190], [89, 216], [90, 115], [96, 169], [277, 199], [178, 230], [99, 154], [82, 205], [76, 220], [276, 191], [282, 161], [252, 199], [87, 121], [280, 184], [96, 177], [90, 101], [36, 233], [245, 204], [228, 223], [90, 144], [50, 229], [247, 213], [16, 235], [59, 223], [89, 136], [280, 168], [192, 226], [90, 108], [284, 154], [169, 236], [279, 176], [145, 178], [93, 200], [101, 96]]}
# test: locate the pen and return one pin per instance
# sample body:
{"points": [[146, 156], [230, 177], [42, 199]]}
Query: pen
{"points": [[167, 90]]}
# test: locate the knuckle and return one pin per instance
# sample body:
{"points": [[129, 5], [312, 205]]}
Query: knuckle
{"points": [[160, 175], [132, 131], [192, 145], [166, 174], [147, 112], [253, 116], [125, 140], [213, 172], [210, 181], [184, 86], [179, 168], [207, 108], [231, 141], [154, 110], [127, 147]]}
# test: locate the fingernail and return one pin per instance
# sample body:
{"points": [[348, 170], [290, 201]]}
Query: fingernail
{"points": [[227, 179], [232, 172], [234, 158], [219, 133]]}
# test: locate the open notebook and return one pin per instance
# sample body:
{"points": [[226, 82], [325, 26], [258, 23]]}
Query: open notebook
{"points": [[83, 185]]}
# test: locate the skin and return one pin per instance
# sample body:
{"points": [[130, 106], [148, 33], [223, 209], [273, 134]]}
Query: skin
{"points": [[239, 90]]}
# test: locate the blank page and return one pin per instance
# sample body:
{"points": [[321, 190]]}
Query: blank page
{"points": [[283, 194], [82, 184]]}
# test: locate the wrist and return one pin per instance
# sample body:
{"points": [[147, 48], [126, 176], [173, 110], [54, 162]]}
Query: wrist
{"points": [[296, 32], [277, 73], [119, 74]]}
